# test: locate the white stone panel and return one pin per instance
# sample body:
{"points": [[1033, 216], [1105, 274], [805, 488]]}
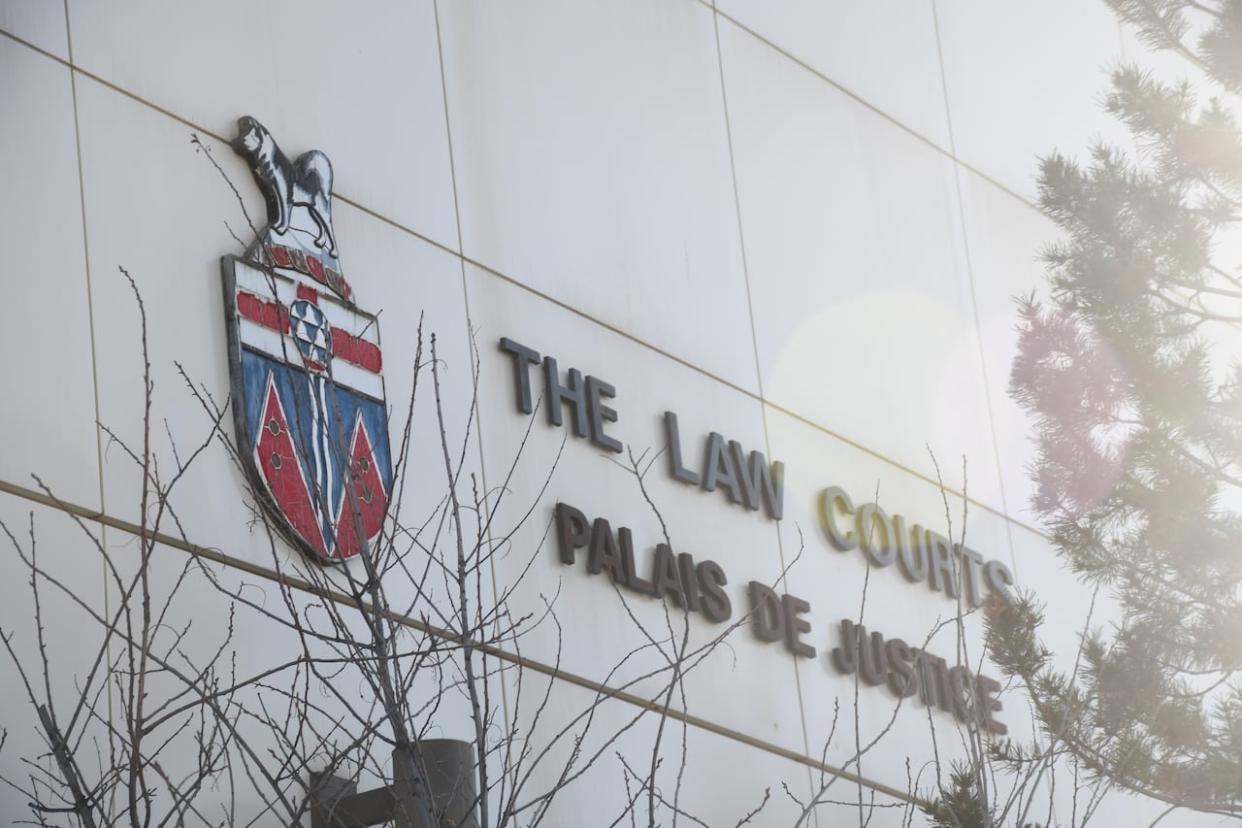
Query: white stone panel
{"points": [[863, 320], [1006, 237], [841, 585], [598, 629], [45, 332], [883, 52], [721, 781], [39, 22], [175, 262], [1024, 79], [593, 165], [361, 85], [73, 640]]}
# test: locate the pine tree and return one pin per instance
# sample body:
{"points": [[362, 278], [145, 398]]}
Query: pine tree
{"points": [[960, 804], [1130, 370]]}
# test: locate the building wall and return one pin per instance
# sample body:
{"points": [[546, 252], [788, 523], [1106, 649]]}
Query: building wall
{"points": [[800, 225]]}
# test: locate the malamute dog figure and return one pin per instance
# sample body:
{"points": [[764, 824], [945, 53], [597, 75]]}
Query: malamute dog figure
{"points": [[306, 182]]}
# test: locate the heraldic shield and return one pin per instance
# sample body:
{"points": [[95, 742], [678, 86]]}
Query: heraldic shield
{"points": [[305, 363]]}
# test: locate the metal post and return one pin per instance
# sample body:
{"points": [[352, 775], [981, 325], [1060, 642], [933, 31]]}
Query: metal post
{"points": [[451, 778], [448, 799], [407, 813], [328, 792]]}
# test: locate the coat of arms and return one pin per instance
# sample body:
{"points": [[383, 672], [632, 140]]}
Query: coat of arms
{"points": [[305, 362]]}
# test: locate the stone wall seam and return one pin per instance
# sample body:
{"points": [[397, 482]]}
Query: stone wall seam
{"points": [[90, 315], [970, 280], [465, 293], [754, 341]]}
